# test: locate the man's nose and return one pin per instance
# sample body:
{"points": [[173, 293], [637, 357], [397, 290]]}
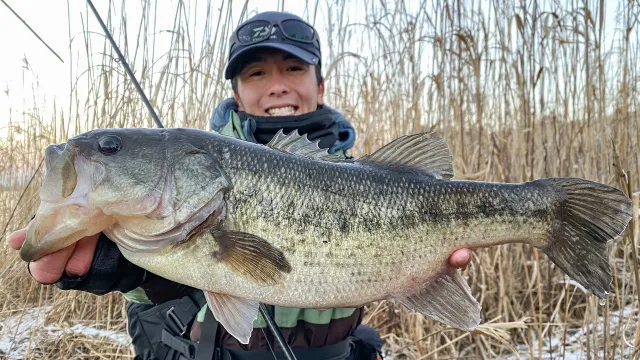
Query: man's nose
{"points": [[278, 86]]}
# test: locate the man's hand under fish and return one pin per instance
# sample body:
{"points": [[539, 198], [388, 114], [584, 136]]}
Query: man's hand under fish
{"points": [[289, 224], [75, 259]]}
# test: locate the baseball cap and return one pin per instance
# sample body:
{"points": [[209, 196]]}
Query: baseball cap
{"points": [[273, 30]]}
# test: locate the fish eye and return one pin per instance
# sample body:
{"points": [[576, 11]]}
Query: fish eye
{"points": [[109, 145]]}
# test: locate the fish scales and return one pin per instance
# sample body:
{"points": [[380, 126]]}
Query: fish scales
{"points": [[288, 224], [334, 232]]}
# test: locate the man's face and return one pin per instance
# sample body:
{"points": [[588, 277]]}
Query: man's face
{"points": [[275, 83]]}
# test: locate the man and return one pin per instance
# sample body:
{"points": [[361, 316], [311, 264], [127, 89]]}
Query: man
{"points": [[275, 70]]}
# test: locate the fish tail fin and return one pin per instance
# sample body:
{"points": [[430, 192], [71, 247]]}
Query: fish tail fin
{"points": [[589, 215]]}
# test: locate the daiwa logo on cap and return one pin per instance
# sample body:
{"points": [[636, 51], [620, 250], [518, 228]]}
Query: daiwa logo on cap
{"points": [[262, 31]]}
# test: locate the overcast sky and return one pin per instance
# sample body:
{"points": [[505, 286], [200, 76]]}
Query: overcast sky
{"points": [[53, 21]]}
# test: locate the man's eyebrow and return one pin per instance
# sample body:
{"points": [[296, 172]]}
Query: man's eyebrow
{"points": [[256, 58], [253, 59], [291, 57], [250, 60]]}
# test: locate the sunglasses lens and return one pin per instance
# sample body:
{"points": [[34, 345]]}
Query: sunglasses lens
{"points": [[254, 31], [297, 30]]}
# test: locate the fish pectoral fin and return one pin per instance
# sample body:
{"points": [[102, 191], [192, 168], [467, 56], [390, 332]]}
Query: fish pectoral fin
{"points": [[447, 299], [235, 314], [251, 256], [419, 151]]}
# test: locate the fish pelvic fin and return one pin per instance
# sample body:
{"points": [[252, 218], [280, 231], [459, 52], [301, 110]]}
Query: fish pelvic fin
{"points": [[447, 299], [589, 215], [235, 314], [415, 152]]}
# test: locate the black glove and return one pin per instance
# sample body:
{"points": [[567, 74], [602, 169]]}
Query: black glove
{"points": [[111, 271]]}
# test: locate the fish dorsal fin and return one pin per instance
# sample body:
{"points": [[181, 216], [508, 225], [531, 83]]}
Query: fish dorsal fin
{"points": [[418, 151], [296, 144]]}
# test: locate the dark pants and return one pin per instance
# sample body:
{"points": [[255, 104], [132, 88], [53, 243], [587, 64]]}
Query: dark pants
{"points": [[370, 343], [145, 324]]}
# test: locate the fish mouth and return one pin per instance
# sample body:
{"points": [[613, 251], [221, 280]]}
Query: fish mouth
{"points": [[61, 177], [53, 154], [76, 202], [60, 228], [63, 216], [64, 220]]}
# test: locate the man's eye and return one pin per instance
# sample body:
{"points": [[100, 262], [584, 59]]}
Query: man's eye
{"points": [[295, 68], [256, 73]]}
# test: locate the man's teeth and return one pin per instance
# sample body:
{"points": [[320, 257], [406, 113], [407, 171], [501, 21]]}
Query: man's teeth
{"points": [[283, 111]]}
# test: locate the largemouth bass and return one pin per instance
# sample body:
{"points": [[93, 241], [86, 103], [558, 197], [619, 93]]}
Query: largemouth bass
{"points": [[288, 224]]}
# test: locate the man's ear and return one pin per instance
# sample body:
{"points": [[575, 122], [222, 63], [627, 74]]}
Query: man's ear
{"points": [[236, 97], [321, 93]]}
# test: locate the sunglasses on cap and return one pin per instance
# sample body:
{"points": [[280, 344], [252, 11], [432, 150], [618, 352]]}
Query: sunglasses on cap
{"points": [[261, 30]]}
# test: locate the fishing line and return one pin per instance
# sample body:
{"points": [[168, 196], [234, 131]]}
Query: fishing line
{"points": [[263, 310], [124, 63], [13, 212], [32, 31], [6, 226]]}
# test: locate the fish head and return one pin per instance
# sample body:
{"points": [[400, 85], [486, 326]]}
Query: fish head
{"points": [[145, 187]]}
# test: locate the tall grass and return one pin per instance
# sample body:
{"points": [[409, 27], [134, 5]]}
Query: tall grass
{"points": [[520, 90]]}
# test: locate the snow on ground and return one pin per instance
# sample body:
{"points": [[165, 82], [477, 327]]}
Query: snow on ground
{"points": [[25, 330], [575, 349]]}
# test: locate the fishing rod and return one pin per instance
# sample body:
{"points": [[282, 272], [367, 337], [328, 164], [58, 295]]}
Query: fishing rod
{"points": [[125, 64], [263, 309]]}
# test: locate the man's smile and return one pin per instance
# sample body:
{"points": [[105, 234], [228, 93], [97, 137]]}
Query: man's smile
{"points": [[282, 110]]}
